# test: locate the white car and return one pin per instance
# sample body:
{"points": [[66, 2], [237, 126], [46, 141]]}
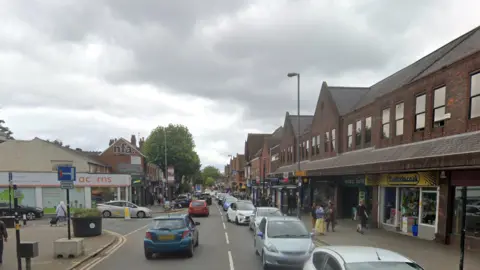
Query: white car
{"points": [[240, 212], [117, 209], [261, 212], [357, 258]]}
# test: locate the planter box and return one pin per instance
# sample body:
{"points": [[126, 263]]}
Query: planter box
{"points": [[87, 226]]}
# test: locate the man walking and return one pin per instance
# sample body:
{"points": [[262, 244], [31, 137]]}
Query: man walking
{"points": [[4, 237], [363, 216]]}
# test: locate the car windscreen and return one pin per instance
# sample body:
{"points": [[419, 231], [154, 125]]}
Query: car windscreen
{"points": [[286, 229], [198, 203], [168, 224], [269, 212], [245, 206], [231, 199], [378, 265]]}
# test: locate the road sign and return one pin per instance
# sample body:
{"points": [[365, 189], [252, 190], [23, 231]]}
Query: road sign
{"points": [[67, 173], [17, 194], [66, 184]]}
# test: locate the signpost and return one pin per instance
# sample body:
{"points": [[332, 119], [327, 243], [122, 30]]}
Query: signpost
{"points": [[17, 225], [10, 181], [66, 177]]}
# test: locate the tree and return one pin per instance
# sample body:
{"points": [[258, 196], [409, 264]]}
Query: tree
{"points": [[209, 182], [210, 172], [5, 131], [180, 150]]}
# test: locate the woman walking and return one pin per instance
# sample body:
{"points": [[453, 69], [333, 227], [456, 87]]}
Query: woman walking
{"points": [[313, 212], [320, 222], [363, 216], [61, 212]]}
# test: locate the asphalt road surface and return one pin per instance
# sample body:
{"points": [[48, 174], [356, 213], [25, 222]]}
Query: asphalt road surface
{"points": [[222, 245]]}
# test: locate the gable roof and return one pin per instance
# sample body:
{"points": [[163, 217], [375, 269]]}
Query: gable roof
{"points": [[305, 123], [275, 138], [453, 51], [346, 98], [87, 158], [126, 142], [253, 143]]}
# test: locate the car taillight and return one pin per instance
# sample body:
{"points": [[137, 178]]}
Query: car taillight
{"points": [[148, 235], [185, 234]]}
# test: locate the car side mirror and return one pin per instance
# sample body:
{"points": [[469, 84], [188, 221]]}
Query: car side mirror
{"points": [[197, 223], [260, 234]]}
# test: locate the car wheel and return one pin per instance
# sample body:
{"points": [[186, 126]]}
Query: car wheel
{"points": [[255, 247], [31, 216], [190, 251], [196, 242], [236, 221], [141, 214], [148, 255], [106, 214]]}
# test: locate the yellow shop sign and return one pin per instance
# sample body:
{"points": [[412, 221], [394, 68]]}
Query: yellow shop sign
{"points": [[423, 179]]}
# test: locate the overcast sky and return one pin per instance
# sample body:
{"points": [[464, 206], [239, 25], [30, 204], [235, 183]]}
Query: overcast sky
{"points": [[87, 71]]}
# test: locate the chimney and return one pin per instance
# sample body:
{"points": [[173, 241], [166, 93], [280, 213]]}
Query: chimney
{"points": [[133, 140], [111, 142], [140, 143]]}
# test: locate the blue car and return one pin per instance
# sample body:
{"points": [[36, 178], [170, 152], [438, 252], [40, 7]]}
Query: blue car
{"points": [[175, 233], [228, 201]]}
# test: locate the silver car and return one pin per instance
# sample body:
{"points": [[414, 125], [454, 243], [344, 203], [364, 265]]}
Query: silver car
{"points": [[283, 241], [358, 258], [261, 212], [117, 209]]}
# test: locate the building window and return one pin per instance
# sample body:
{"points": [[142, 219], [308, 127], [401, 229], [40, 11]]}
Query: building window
{"points": [[475, 96], [358, 133], [318, 144], [368, 131], [420, 108], [386, 123], [428, 207], [307, 148], [399, 110], [349, 136], [439, 107], [327, 142], [314, 139], [334, 137]]}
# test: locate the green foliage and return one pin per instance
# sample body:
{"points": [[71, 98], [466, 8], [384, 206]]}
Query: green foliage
{"points": [[185, 188], [86, 212], [209, 182], [210, 173], [180, 149], [4, 130]]}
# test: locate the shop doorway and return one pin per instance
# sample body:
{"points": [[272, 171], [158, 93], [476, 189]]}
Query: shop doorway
{"points": [[350, 200]]}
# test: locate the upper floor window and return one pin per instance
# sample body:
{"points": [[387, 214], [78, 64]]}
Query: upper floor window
{"points": [[358, 133], [327, 141], [399, 111], [368, 131], [439, 107], [318, 144], [386, 123], [420, 108], [334, 136], [314, 139], [475, 96], [307, 148], [349, 136]]}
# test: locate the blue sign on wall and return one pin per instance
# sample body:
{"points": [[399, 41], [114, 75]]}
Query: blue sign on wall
{"points": [[67, 173]]}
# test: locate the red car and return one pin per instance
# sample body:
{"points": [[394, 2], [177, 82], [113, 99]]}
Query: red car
{"points": [[198, 208]]}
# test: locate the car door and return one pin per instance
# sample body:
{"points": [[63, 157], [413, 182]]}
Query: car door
{"points": [[193, 228], [259, 241], [232, 211], [118, 208], [132, 208]]}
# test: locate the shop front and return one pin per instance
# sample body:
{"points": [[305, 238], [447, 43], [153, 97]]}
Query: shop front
{"points": [[351, 189], [408, 203], [43, 190], [322, 190]]}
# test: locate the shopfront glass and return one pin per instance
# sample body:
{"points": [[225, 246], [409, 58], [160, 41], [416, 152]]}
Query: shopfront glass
{"points": [[103, 194], [322, 193], [472, 219], [428, 210], [389, 205]]}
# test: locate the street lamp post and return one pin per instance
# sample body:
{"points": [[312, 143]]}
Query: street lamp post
{"points": [[166, 166], [299, 179]]}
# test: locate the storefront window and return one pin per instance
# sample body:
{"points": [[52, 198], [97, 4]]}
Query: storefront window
{"points": [[322, 193], [409, 206], [389, 211], [472, 218], [429, 206], [103, 194]]}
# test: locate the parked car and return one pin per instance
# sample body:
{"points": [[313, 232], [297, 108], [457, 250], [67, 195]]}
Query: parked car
{"points": [[30, 212], [117, 209], [228, 201], [182, 201], [261, 212], [358, 258], [240, 212], [283, 242]]}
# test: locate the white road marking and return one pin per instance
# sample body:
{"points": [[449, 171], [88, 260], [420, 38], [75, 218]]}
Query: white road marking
{"points": [[226, 238], [137, 230], [224, 226], [230, 260], [109, 252]]}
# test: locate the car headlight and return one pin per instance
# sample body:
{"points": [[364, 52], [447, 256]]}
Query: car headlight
{"points": [[312, 247], [271, 248]]}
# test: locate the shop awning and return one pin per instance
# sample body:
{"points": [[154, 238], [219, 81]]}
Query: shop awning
{"points": [[290, 168], [453, 151]]}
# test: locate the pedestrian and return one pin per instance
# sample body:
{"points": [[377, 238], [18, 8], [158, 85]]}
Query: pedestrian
{"points": [[363, 216], [330, 216], [320, 221], [61, 212], [314, 215], [4, 237]]}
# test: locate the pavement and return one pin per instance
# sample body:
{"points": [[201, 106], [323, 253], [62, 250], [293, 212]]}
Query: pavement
{"points": [[45, 236], [429, 254]]}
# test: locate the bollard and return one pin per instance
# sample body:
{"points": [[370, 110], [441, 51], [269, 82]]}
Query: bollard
{"points": [[28, 250], [127, 213], [24, 220]]}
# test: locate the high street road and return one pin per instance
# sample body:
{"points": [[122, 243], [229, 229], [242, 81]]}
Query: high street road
{"points": [[222, 245]]}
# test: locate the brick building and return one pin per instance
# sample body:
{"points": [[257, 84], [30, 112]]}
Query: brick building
{"points": [[405, 145]]}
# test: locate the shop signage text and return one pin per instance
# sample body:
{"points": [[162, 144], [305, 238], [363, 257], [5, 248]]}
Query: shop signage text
{"points": [[402, 179], [99, 180], [354, 181], [423, 179], [123, 149]]}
